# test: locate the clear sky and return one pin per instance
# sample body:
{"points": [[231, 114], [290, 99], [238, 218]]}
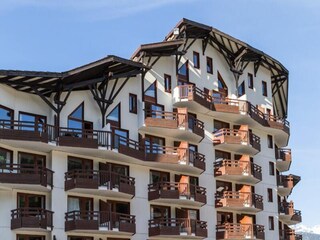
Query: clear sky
{"points": [[56, 35]]}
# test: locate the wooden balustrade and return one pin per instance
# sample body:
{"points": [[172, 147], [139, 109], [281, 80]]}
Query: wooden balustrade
{"points": [[235, 199], [239, 231], [31, 218], [26, 174]]}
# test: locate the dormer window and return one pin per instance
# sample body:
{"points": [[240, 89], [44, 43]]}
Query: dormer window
{"points": [[75, 119]]}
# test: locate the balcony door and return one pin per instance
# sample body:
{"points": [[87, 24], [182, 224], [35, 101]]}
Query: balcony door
{"points": [[30, 237], [78, 125], [160, 212], [111, 174], [154, 144], [111, 211], [154, 110], [187, 185], [157, 176], [31, 204], [32, 122], [224, 218], [217, 125], [82, 164], [31, 161], [80, 238], [83, 207], [188, 218]]}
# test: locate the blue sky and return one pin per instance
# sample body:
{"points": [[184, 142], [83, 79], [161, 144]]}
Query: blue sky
{"points": [[62, 34]]}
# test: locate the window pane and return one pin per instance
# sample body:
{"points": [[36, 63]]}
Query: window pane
{"points": [[151, 90], [5, 156], [5, 114], [183, 70], [114, 114], [78, 113]]}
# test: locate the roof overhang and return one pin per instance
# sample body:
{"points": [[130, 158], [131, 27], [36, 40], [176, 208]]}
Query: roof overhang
{"points": [[106, 69], [232, 49]]}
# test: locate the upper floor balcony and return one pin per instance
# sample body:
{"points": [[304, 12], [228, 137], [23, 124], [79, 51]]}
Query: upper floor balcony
{"points": [[100, 222], [239, 201], [286, 183], [177, 228], [176, 158], [100, 182], [289, 234], [26, 176], [240, 231], [234, 110], [236, 140], [177, 193], [289, 215], [243, 171], [283, 157], [31, 219], [179, 125], [98, 143]]}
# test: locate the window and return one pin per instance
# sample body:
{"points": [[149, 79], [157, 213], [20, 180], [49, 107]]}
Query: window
{"points": [[154, 110], [81, 204], [167, 83], [241, 89], [31, 159], [209, 65], [270, 195], [196, 60], [30, 237], [157, 176], [133, 103], [150, 94], [28, 200], [157, 212], [75, 163], [222, 88], [114, 117], [33, 122], [75, 119], [271, 223], [264, 89], [183, 73], [250, 81], [270, 141], [6, 113], [271, 168], [154, 144], [222, 155], [217, 125], [5, 157], [80, 238], [120, 137]]}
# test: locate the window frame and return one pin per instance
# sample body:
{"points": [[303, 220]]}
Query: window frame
{"points": [[150, 99], [242, 87], [250, 80], [271, 168], [10, 152], [134, 99], [270, 141], [209, 64], [264, 88], [270, 195], [271, 223], [167, 88], [197, 63], [113, 123]]}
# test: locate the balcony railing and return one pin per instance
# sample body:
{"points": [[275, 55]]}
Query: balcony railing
{"points": [[177, 226], [283, 157], [93, 179], [26, 174], [174, 120], [227, 105], [289, 234], [175, 155], [240, 231], [239, 200], [287, 208], [73, 137], [100, 220], [231, 168], [168, 190], [31, 218], [235, 136]]}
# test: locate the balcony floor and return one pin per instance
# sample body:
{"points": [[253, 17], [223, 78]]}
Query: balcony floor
{"points": [[102, 192], [245, 179], [179, 202]]}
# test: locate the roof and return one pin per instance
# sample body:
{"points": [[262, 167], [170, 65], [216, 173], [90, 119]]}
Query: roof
{"points": [[108, 68], [233, 49]]}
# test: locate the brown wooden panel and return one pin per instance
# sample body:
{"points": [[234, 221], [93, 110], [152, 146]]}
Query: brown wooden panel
{"points": [[70, 141]]}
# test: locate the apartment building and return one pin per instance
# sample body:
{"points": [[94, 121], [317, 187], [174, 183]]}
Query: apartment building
{"points": [[185, 140]]}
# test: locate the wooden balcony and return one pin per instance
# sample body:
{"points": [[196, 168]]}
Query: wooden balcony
{"points": [[286, 183], [289, 215], [173, 124], [106, 144], [283, 157], [26, 176], [100, 222], [240, 141], [31, 219], [240, 231], [239, 201], [237, 170], [177, 193], [175, 158], [234, 110], [177, 228], [102, 183], [289, 234]]}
